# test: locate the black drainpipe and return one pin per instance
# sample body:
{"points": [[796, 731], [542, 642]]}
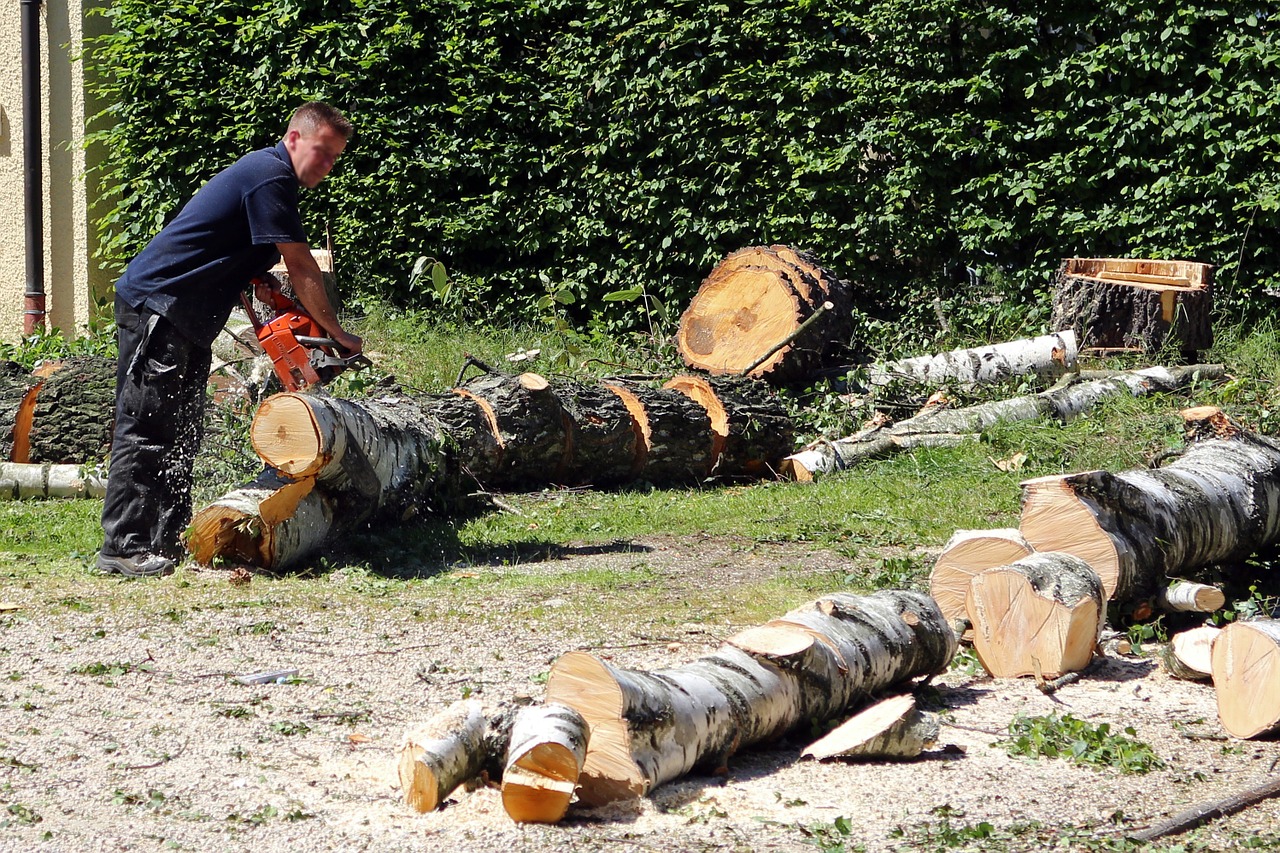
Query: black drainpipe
{"points": [[33, 168]]}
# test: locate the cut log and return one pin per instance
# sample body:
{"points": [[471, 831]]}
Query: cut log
{"points": [[17, 400], [1246, 677], [544, 760], [675, 434], [73, 413], [1114, 302], [938, 426], [967, 553], [442, 753], [1047, 357], [815, 663], [272, 522], [600, 435], [529, 421], [892, 728], [1190, 597], [1041, 615], [1189, 654], [1219, 502], [33, 481], [753, 300], [751, 431]]}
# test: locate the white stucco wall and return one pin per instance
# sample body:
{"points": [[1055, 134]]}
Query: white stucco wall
{"points": [[71, 275]]}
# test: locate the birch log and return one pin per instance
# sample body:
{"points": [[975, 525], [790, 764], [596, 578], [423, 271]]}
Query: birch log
{"points": [[1246, 677], [31, 480], [938, 426], [1046, 357], [272, 522], [1189, 654], [1041, 615], [812, 664], [892, 728], [548, 748], [967, 553], [442, 753], [1219, 502]]}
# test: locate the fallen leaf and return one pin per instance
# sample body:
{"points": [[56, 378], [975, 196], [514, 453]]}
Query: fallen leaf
{"points": [[1013, 463]]}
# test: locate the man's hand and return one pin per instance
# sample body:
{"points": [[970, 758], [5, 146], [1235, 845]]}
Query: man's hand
{"points": [[351, 344]]}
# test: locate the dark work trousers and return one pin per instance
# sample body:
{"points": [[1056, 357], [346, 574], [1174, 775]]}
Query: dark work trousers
{"points": [[160, 396]]}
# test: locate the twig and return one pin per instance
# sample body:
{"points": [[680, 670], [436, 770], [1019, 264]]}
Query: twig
{"points": [[1053, 685], [164, 760], [1193, 817], [391, 651], [972, 729], [821, 309], [470, 360]]}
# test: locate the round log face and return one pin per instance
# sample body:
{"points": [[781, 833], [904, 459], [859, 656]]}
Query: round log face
{"points": [[285, 432], [1246, 676]]}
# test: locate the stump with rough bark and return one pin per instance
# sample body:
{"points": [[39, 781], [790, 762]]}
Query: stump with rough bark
{"points": [[757, 299], [1143, 304], [61, 413], [1246, 677], [751, 431], [813, 664], [1040, 615]]}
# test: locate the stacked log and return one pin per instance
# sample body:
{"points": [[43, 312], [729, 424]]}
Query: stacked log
{"points": [[749, 317]]}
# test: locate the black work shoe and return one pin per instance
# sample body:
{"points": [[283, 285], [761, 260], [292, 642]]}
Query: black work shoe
{"points": [[137, 566]]}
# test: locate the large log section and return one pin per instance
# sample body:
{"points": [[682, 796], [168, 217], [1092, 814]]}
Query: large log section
{"points": [[756, 299], [1218, 503], [60, 413], [1047, 357], [1143, 304], [815, 663]]}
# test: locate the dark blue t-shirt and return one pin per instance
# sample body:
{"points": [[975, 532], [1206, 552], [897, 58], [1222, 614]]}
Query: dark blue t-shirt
{"points": [[193, 270]]}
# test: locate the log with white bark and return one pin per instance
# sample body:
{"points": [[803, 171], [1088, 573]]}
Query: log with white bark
{"points": [[442, 753], [1041, 615], [1219, 502], [815, 663], [544, 760], [272, 522], [1046, 357], [1190, 597], [1189, 654], [1246, 677], [967, 553], [892, 728], [32, 480], [939, 426]]}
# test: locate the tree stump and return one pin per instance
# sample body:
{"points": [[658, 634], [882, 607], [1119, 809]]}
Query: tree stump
{"points": [[1246, 677], [751, 429], [1143, 304], [755, 300]]}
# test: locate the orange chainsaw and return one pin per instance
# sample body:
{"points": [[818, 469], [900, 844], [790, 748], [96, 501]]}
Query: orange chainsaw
{"points": [[301, 353]]}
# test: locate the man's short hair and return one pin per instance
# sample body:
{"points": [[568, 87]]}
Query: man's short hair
{"points": [[313, 115]]}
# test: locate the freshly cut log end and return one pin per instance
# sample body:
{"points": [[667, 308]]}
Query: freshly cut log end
{"points": [[1189, 654], [890, 729], [441, 754], [1189, 597], [965, 555], [1039, 616], [1055, 518], [1246, 677], [286, 433], [271, 522], [545, 758]]}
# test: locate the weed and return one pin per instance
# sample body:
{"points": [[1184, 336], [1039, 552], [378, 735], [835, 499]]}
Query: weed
{"points": [[1079, 742], [235, 713], [290, 728], [21, 814], [153, 799], [830, 837], [257, 818], [966, 662]]}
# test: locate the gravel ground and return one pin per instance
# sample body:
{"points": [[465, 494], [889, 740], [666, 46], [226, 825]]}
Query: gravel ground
{"points": [[121, 727]]}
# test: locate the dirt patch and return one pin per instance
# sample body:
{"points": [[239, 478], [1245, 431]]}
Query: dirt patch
{"points": [[123, 729]]}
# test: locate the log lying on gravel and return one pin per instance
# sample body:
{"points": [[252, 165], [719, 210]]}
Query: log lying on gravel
{"points": [[1219, 502], [1246, 677], [967, 553], [544, 760], [1041, 615], [1046, 357], [813, 664], [1189, 654], [442, 753], [892, 728], [942, 427]]}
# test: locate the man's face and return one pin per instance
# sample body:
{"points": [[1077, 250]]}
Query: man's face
{"points": [[314, 154]]}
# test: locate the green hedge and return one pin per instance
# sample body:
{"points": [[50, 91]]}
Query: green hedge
{"points": [[598, 145]]}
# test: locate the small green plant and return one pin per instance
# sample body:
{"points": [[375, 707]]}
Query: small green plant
{"points": [[235, 713], [153, 799], [966, 662], [1147, 632], [21, 814], [830, 837], [289, 728], [1079, 742]]}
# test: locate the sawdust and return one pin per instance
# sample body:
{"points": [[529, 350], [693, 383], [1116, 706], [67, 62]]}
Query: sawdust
{"points": [[121, 727]]}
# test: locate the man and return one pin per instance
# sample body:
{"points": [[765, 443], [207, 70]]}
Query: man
{"points": [[170, 304]]}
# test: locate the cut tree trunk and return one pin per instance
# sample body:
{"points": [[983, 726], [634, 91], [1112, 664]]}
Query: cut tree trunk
{"points": [[548, 748], [272, 522], [942, 427], [16, 389], [675, 437], [1189, 654], [442, 753], [1041, 615], [1190, 597], [530, 426], [1046, 357], [600, 434], [61, 413], [751, 431], [30, 480], [815, 663], [1120, 303], [892, 728], [967, 553], [1219, 502], [1246, 677], [755, 299]]}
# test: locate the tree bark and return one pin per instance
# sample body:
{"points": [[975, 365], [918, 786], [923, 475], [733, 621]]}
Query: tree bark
{"points": [[675, 436], [548, 748], [1138, 529], [751, 430], [967, 553], [1041, 615], [1113, 303], [1046, 357], [442, 753], [892, 728], [1189, 654], [649, 728], [530, 427], [272, 522], [1246, 677], [942, 427]]}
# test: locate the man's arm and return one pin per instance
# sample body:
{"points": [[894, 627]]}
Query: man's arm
{"points": [[308, 285]]}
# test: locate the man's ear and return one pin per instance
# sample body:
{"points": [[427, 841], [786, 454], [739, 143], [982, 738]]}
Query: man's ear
{"points": [[291, 138]]}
